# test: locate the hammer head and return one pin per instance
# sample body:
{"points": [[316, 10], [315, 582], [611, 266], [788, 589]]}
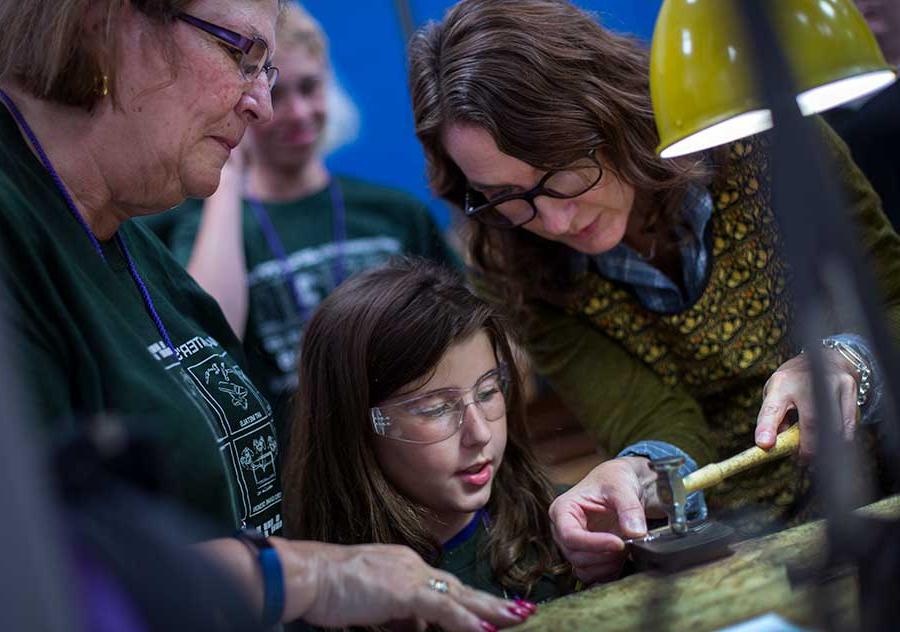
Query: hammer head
{"points": [[670, 489]]}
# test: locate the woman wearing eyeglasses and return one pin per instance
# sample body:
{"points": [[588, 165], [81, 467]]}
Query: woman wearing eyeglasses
{"points": [[283, 232], [113, 110], [651, 292], [410, 414]]}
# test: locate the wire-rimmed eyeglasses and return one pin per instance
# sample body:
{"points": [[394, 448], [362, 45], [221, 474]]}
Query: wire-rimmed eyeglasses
{"points": [[250, 53]]}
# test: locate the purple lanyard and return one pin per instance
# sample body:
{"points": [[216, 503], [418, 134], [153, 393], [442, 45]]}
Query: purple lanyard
{"points": [[339, 231], [132, 268]]}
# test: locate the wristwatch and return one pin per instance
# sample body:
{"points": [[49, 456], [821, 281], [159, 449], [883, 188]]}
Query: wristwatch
{"points": [[863, 372]]}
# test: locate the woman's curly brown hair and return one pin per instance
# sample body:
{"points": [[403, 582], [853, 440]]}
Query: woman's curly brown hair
{"points": [[549, 84]]}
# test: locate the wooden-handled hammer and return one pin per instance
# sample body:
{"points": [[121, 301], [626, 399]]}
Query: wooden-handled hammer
{"points": [[788, 442], [672, 489], [680, 544]]}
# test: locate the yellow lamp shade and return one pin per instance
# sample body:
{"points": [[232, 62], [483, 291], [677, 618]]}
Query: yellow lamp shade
{"points": [[701, 66]]}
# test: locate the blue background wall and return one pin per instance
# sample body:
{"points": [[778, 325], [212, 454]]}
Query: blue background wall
{"points": [[368, 54]]}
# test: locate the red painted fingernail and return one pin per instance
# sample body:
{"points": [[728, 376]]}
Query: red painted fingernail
{"points": [[488, 627], [521, 611], [527, 605], [516, 611]]}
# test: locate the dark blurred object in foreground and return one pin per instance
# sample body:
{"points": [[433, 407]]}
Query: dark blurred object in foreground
{"points": [[872, 131], [89, 544], [872, 128], [134, 565]]}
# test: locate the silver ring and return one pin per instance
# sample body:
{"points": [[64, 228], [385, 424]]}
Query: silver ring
{"points": [[438, 585]]}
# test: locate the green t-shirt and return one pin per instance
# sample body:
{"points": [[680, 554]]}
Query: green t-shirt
{"points": [[380, 222], [87, 346], [467, 559]]}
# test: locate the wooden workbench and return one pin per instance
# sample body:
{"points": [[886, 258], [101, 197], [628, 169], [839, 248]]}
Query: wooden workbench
{"points": [[752, 582]]}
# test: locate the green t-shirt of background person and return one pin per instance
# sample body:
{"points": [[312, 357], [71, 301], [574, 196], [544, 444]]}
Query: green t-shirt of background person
{"points": [[379, 223]]}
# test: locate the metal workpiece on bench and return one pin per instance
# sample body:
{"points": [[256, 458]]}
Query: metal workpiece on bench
{"points": [[669, 551]]}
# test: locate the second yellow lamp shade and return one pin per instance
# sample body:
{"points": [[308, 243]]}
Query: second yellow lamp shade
{"points": [[701, 67]]}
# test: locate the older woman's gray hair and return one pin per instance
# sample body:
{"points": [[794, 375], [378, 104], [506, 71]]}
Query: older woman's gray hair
{"points": [[45, 46]]}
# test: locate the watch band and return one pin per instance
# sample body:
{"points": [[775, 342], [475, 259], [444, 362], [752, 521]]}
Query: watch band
{"points": [[272, 573], [863, 372]]}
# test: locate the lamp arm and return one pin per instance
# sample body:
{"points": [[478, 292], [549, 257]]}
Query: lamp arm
{"points": [[822, 261]]}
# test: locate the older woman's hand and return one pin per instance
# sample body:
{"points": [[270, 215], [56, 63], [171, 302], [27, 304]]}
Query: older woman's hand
{"points": [[376, 584], [590, 520], [789, 392]]}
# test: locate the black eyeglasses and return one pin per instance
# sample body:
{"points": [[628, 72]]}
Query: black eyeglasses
{"points": [[515, 209], [251, 54]]}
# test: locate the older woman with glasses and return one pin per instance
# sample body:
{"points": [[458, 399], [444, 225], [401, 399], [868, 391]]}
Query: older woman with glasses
{"points": [[282, 231], [651, 292], [112, 110]]}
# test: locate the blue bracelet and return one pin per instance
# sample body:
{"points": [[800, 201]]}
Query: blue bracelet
{"points": [[272, 574]]}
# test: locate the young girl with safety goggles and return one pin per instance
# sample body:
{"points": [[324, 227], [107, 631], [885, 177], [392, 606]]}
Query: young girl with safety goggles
{"points": [[409, 429]]}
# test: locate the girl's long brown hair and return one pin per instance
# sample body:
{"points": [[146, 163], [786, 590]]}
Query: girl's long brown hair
{"points": [[549, 84], [378, 332]]}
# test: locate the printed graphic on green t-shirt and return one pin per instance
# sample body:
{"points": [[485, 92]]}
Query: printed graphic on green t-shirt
{"points": [[241, 421], [86, 345], [278, 313], [379, 223]]}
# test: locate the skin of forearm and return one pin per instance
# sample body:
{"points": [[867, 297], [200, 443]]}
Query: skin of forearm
{"points": [[217, 261], [237, 560], [302, 563]]}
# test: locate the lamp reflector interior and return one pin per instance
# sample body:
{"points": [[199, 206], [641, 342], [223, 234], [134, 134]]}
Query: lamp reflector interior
{"points": [[726, 131], [832, 94]]}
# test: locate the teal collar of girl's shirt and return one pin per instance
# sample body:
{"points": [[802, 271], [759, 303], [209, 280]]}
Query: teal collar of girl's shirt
{"points": [[481, 516]]}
